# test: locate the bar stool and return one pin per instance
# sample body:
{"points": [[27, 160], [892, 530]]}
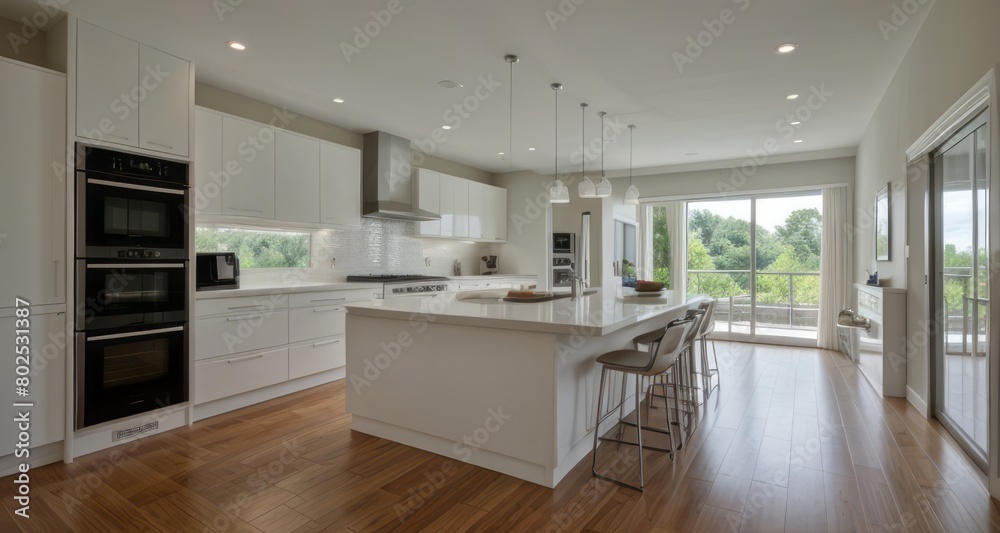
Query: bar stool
{"points": [[708, 326], [641, 364]]}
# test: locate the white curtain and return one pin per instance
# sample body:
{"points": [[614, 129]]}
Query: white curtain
{"points": [[835, 266]]}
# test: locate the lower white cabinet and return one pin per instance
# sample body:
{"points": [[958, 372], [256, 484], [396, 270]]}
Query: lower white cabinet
{"points": [[251, 342], [317, 356], [234, 375], [47, 380]]}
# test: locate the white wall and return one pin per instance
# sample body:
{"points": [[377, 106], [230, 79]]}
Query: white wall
{"points": [[529, 226], [957, 45]]}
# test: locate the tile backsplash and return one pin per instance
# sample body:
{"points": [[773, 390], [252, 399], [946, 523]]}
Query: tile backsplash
{"points": [[378, 247]]}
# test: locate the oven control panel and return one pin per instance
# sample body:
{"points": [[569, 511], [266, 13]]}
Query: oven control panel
{"points": [[137, 253]]}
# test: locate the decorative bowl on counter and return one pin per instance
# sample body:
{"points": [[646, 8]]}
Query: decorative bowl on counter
{"points": [[648, 286]]}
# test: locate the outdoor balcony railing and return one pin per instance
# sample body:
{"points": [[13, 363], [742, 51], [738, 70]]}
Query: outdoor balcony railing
{"points": [[787, 302]]}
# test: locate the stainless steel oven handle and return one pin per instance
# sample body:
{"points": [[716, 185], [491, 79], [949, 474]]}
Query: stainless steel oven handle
{"points": [[135, 265], [135, 334], [134, 186]]}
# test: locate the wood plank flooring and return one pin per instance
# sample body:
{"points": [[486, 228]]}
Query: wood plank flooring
{"points": [[796, 440]]}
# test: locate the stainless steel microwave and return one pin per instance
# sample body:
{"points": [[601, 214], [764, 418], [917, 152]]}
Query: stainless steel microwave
{"points": [[217, 271], [564, 243]]}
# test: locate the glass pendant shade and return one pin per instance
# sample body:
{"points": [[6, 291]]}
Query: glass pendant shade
{"points": [[587, 188], [632, 195], [603, 188], [558, 193]]}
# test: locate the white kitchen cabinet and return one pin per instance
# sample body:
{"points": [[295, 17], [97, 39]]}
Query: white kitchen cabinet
{"points": [[131, 94], [107, 81], [461, 208], [340, 184], [164, 113], [447, 205], [247, 331], [316, 356], [248, 148], [496, 225], [296, 178], [428, 198], [209, 178], [47, 379], [229, 376], [33, 206], [477, 210]]}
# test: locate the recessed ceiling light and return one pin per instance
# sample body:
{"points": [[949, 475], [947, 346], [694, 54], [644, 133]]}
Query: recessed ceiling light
{"points": [[448, 84], [786, 48], [499, 153], [237, 46], [796, 123], [798, 141], [531, 149], [792, 97], [338, 100], [446, 127]]}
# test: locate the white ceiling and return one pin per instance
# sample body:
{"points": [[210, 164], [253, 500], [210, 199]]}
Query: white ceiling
{"points": [[614, 55]]}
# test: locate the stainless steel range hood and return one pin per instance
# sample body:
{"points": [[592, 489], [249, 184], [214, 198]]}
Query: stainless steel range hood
{"points": [[386, 183]]}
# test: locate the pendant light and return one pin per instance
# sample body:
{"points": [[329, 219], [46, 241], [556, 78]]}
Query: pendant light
{"points": [[587, 188], [632, 193], [510, 58], [558, 193], [604, 187]]}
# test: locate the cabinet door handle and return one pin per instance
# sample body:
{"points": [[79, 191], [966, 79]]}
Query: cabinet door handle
{"points": [[247, 317], [167, 146], [324, 343], [55, 278], [247, 210], [244, 307], [117, 137], [330, 300], [247, 358], [326, 310]]}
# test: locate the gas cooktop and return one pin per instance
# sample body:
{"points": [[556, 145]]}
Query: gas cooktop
{"points": [[389, 278]]}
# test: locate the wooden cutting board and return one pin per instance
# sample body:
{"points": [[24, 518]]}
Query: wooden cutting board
{"points": [[546, 297]]}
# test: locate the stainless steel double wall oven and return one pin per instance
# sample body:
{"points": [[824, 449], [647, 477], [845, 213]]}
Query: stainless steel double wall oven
{"points": [[131, 284]]}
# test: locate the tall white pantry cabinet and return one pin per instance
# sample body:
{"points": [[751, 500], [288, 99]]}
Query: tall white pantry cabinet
{"points": [[32, 250]]}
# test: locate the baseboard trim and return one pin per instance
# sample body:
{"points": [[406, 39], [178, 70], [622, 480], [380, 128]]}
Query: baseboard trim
{"points": [[917, 402]]}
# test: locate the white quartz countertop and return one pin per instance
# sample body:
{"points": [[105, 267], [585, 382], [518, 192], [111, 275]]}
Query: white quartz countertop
{"points": [[271, 288], [591, 316]]}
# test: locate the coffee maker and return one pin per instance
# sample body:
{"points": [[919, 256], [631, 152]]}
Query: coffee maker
{"points": [[489, 265]]}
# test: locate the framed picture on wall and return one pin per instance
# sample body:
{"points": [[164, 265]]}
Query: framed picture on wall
{"points": [[882, 224]]}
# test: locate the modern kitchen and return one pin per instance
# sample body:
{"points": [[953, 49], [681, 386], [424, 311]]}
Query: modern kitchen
{"points": [[450, 266]]}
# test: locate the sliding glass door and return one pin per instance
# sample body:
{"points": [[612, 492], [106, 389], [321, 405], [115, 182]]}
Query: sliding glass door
{"points": [[759, 256], [961, 175]]}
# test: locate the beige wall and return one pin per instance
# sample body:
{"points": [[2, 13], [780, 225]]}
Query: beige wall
{"points": [[252, 109], [957, 45]]}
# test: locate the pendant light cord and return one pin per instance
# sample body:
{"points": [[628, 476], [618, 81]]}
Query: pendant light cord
{"points": [[602, 145], [583, 140], [630, 130], [510, 120]]}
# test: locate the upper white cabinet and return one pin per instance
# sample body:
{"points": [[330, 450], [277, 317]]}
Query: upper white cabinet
{"points": [[131, 94], [495, 228], [107, 67], [33, 206], [340, 184], [248, 150], [447, 191], [296, 178], [428, 198], [165, 112], [208, 172], [248, 169], [477, 209], [461, 208]]}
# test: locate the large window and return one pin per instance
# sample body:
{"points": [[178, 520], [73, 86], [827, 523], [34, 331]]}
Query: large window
{"points": [[256, 249], [759, 256]]}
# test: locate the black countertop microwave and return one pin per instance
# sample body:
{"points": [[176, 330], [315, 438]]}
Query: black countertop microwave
{"points": [[217, 271], [564, 243]]}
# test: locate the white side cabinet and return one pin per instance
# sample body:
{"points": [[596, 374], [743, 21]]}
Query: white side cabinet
{"points": [[131, 94], [248, 148], [478, 211], [296, 178], [33, 203], [461, 208], [340, 184], [496, 221], [46, 379]]}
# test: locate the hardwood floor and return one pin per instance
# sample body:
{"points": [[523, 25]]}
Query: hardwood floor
{"points": [[796, 440]]}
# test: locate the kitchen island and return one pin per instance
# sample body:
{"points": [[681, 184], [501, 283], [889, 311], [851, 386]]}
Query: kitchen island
{"points": [[510, 387]]}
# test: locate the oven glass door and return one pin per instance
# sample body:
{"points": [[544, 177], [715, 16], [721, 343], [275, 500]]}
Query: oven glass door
{"points": [[115, 216], [562, 277], [562, 243], [125, 374], [116, 295]]}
